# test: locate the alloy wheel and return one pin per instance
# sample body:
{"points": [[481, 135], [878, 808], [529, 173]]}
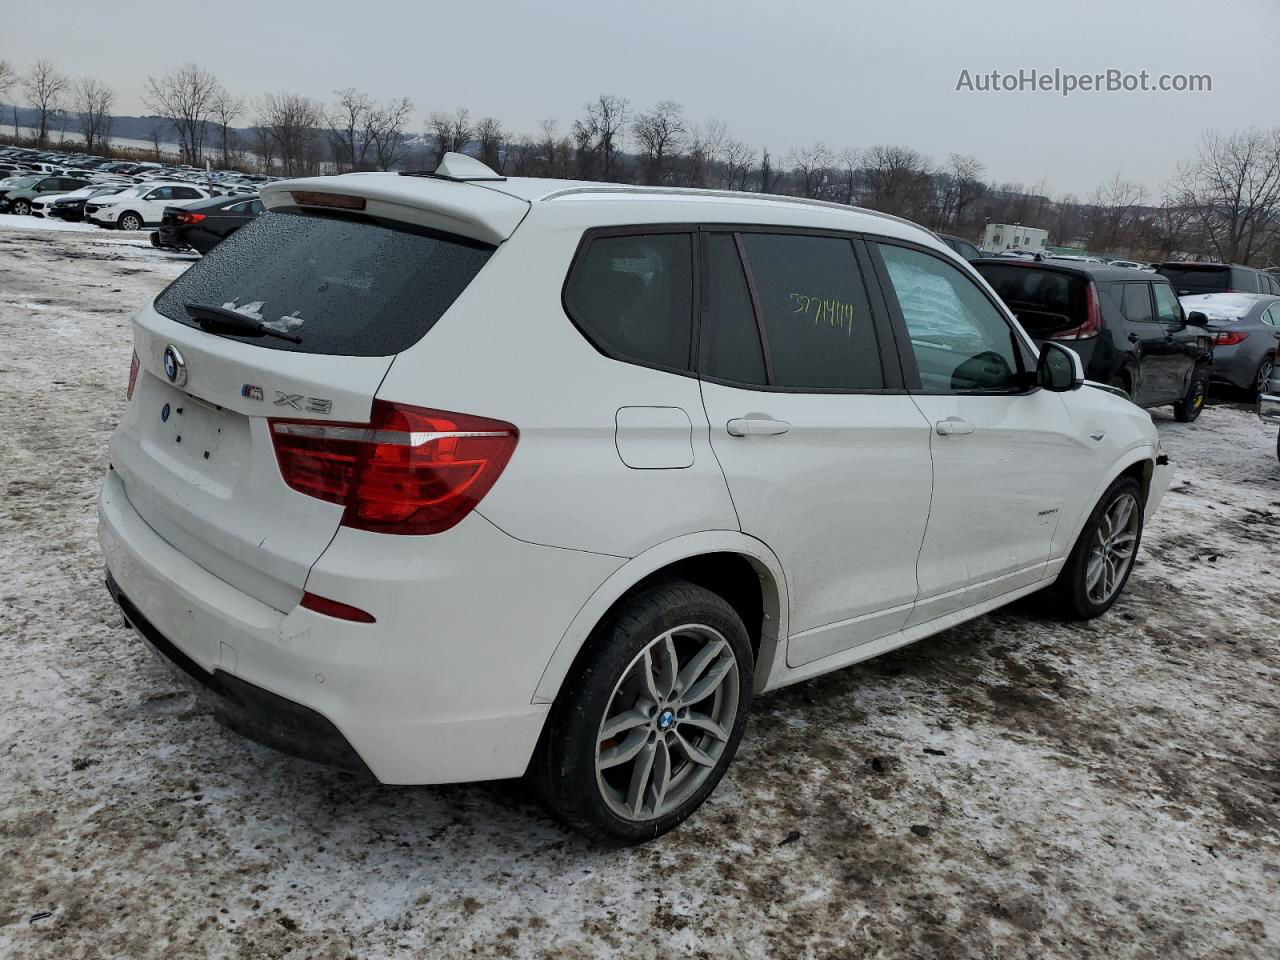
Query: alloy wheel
{"points": [[1264, 375], [667, 723], [1112, 551]]}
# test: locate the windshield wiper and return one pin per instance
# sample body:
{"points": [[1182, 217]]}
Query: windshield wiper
{"points": [[222, 317]]}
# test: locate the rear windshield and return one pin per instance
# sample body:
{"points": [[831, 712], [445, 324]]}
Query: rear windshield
{"points": [[1044, 301], [1189, 280], [346, 287]]}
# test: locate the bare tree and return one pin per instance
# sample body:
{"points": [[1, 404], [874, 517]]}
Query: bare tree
{"points": [[897, 180], [812, 168], [44, 87], [601, 132], [8, 77], [184, 96], [224, 109], [736, 162], [768, 176], [1234, 186], [959, 185], [348, 126], [523, 156], [490, 136], [451, 131], [385, 131], [157, 135], [659, 134], [1113, 213], [93, 102], [293, 122]]}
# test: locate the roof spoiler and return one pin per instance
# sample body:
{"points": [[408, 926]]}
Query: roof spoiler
{"points": [[484, 215]]}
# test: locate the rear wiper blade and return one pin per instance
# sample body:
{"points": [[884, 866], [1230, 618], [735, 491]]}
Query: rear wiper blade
{"points": [[222, 317]]}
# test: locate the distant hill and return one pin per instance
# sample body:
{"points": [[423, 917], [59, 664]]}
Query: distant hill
{"points": [[124, 128]]}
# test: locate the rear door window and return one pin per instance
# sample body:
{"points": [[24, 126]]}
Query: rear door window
{"points": [[1046, 302], [348, 287], [814, 316], [632, 297], [1135, 302]]}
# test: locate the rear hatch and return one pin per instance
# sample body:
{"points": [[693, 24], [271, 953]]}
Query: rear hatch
{"points": [[1193, 278], [1047, 302], [340, 295]]}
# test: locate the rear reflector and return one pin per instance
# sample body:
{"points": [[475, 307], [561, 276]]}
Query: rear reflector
{"points": [[1229, 338], [408, 471], [332, 608], [313, 198], [133, 376]]}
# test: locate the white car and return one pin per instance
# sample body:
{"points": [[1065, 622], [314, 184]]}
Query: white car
{"points": [[463, 477], [143, 205]]}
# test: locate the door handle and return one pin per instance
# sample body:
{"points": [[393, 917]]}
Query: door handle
{"points": [[953, 427], [756, 427]]}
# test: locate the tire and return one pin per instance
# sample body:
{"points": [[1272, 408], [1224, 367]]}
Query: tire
{"points": [[1076, 594], [1263, 377], [624, 676], [1189, 408], [129, 221], [21, 207]]}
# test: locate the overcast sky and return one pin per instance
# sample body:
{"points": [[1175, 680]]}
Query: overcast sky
{"points": [[851, 73]]}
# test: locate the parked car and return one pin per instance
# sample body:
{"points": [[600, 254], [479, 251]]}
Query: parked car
{"points": [[397, 503], [143, 205], [70, 206], [1245, 327], [1128, 264], [1128, 327], [17, 199], [204, 225], [961, 246], [1192, 278]]}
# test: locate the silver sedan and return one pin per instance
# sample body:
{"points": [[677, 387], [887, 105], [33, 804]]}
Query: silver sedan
{"points": [[1246, 328]]}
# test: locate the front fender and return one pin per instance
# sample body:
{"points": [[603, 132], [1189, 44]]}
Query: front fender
{"points": [[773, 584]]}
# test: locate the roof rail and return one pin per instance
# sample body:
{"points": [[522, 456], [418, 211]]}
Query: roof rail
{"points": [[731, 195]]}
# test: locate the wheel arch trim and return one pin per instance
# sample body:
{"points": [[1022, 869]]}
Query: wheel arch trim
{"points": [[690, 546]]}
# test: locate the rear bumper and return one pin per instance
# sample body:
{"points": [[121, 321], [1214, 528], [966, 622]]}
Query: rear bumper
{"points": [[249, 710], [438, 690]]}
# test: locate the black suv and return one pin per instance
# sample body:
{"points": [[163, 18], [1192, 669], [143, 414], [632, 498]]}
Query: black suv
{"points": [[1127, 325], [1192, 278]]}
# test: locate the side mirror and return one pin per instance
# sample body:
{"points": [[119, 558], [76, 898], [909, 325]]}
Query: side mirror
{"points": [[1059, 368], [1197, 319]]}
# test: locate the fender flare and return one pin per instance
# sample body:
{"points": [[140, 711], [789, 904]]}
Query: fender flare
{"points": [[765, 562]]}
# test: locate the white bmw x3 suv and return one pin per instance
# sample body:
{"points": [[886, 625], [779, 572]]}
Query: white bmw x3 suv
{"points": [[454, 477]]}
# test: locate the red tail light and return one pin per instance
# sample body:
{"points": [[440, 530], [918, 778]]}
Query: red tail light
{"points": [[332, 608], [133, 376], [190, 217], [407, 471], [1229, 338], [1092, 318]]}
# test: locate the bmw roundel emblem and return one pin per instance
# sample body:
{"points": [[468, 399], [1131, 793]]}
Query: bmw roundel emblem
{"points": [[175, 368]]}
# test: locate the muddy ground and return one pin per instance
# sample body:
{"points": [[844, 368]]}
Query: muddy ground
{"points": [[1011, 788]]}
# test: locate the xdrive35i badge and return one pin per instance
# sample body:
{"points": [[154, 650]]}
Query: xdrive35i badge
{"points": [[175, 368]]}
